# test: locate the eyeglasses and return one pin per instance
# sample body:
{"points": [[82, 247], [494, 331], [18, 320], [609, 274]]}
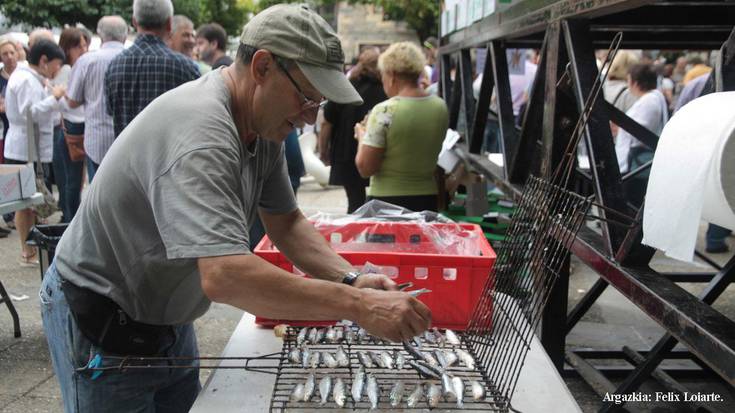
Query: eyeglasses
{"points": [[306, 104]]}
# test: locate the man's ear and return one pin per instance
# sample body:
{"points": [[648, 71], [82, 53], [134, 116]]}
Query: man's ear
{"points": [[261, 66]]}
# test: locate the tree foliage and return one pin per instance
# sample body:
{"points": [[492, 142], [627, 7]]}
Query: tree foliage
{"points": [[231, 14], [57, 13], [420, 15]]}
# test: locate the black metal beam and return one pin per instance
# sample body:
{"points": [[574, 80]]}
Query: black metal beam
{"points": [[666, 343], [706, 332], [455, 93], [548, 124], [649, 22], [468, 99], [585, 303], [640, 132], [525, 152], [477, 134], [598, 137], [506, 119]]}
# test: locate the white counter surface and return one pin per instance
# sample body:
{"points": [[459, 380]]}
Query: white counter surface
{"points": [[539, 389]]}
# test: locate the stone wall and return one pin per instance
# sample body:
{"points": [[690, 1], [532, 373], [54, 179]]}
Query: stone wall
{"points": [[360, 25]]}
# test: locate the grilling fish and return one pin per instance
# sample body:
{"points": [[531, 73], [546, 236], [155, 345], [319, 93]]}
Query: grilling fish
{"points": [[361, 335], [350, 337], [325, 385], [447, 387], [309, 387], [365, 359], [329, 360], [342, 359], [465, 358], [314, 359], [331, 335], [386, 359], [294, 356], [312, 335], [358, 384], [416, 395], [396, 394], [400, 359], [373, 391], [320, 335], [377, 359], [450, 358], [433, 394], [297, 394], [440, 357], [338, 394], [302, 336], [452, 338], [429, 359], [458, 386], [305, 354], [418, 355], [429, 337], [478, 390], [438, 336], [423, 369]]}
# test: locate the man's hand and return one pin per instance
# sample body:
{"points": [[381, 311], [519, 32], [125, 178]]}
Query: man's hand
{"points": [[392, 315], [376, 281]]}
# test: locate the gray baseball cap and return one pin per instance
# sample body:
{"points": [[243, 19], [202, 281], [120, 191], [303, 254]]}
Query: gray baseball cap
{"points": [[295, 32]]}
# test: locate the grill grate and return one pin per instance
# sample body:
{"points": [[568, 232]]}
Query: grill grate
{"points": [[289, 375]]}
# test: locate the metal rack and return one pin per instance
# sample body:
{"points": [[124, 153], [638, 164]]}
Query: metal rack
{"points": [[289, 375], [567, 32]]}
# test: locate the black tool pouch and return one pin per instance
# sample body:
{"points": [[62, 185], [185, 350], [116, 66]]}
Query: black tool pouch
{"points": [[106, 325]]}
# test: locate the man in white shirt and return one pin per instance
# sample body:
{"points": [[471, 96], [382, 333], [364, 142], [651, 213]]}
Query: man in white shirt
{"points": [[27, 93]]}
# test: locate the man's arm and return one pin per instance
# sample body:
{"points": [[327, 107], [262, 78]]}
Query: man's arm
{"points": [[256, 286], [325, 135]]}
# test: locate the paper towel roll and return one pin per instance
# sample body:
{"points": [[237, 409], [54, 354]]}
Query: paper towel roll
{"points": [[692, 176]]}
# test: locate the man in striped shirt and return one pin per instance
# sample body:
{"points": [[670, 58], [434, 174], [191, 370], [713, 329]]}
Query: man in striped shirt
{"points": [[148, 68], [86, 87]]}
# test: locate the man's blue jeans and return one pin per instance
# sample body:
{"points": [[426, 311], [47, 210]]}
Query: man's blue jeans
{"points": [[92, 167], [145, 390], [716, 236]]}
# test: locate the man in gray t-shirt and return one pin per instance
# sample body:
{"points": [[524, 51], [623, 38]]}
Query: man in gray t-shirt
{"points": [[163, 229]]}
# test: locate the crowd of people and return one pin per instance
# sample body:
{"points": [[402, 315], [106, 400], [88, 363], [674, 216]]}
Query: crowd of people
{"points": [[79, 100], [649, 92]]}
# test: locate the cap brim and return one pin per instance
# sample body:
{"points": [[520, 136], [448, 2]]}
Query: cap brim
{"points": [[332, 84]]}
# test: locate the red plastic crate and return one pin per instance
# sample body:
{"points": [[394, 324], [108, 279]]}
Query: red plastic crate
{"points": [[405, 253]]}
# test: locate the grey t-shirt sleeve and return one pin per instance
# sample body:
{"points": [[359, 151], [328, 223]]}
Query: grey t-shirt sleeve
{"points": [[197, 205], [277, 196]]}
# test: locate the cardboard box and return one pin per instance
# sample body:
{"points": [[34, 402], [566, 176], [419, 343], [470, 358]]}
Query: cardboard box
{"points": [[16, 182]]}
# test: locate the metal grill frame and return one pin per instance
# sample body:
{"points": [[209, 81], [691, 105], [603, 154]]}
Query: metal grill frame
{"points": [[289, 375]]}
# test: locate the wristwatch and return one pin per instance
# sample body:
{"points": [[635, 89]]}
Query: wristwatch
{"points": [[350, 277]]}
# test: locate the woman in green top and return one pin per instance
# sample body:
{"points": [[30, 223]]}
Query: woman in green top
{"points": [[399, 147]]}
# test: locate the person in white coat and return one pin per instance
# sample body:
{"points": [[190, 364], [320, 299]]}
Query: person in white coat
{"points": [[27, 91]]}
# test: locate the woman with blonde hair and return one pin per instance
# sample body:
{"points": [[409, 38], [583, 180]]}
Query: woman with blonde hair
{"points": [[616, 87], [399, 147]]}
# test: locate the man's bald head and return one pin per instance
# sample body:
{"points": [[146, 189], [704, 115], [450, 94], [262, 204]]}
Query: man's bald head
{"points": [[112, 28], [39, 34]]}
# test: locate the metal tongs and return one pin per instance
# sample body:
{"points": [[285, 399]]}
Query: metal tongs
{"points": [[412, 293]]}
